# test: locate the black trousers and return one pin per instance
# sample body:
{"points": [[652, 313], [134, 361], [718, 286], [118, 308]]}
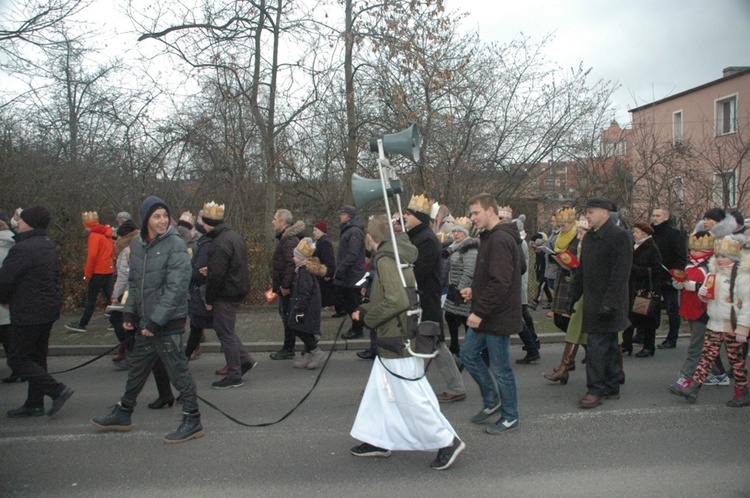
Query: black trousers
{"points": [[28, 359], [349, 298], [602, 365]]}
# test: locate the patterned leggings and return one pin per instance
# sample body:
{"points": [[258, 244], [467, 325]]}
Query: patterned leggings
{"points": [[711, 348]]}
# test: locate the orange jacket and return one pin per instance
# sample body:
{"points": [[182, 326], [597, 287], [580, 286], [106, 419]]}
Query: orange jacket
{"points": [[101, 253]]}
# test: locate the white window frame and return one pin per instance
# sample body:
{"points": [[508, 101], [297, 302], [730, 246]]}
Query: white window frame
{"points": [[725, 197], [725, 125], [677, 127]]}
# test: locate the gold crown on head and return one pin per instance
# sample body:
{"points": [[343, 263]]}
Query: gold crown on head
{"points": [[89, 216], [465, 222], [213, 211], [565, 215], [505, 212], [420, 204], [728, 246], [704, 243]]}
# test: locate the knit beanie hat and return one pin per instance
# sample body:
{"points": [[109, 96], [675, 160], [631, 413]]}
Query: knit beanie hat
{"points": [[126, 228], [36, 216], [322, 226], [716, 214], [305, 249]]}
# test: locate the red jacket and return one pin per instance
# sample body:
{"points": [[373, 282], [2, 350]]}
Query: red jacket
{"points": [[101, 252], [691, 306]]}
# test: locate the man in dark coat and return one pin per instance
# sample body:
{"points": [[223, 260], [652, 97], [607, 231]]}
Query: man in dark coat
{"points": [[350, 267], [324, 253], [282, 273], [495, 313], [427, 272], [673, 249], [227, 284], [602, 280], [28, 286]]}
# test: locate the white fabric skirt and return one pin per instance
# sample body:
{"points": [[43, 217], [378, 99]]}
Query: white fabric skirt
{"points": [[398, 414]]}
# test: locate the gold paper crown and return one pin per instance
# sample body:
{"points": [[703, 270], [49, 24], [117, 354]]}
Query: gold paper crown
{"points": [[583, 223], [505, 212], [705, 243], [306, 247], [464, 222], [728, 246], [187, 216], [565, 215], [90, 216], [213, 211], [420, 204]]}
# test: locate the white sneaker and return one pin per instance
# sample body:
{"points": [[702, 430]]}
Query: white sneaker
{"points": [[717, 380]]}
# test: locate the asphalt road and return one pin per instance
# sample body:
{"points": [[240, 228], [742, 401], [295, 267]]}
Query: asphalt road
{"points": [[648, 443]]}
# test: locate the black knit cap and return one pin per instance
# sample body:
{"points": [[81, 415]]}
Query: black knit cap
{"points": [[126, 228], [36, 216], [716, 214]]}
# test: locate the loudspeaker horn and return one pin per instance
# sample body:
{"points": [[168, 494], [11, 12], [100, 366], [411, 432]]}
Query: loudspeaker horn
{"points": [[366, 190], [405, 142]]}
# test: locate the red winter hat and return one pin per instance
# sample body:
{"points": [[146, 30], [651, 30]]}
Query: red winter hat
{"points": [[322, 226]]}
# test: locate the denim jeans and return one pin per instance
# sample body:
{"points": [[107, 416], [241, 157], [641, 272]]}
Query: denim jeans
{"points": [[142, 359], [503, 387]]}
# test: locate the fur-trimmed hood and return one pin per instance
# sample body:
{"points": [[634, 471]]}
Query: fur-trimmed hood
{"points": [[122, 242], [292, 231], [315, 267], [725, 227], [464, 245]]}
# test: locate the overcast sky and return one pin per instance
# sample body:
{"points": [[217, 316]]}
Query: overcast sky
{"points": [[652, 48]]}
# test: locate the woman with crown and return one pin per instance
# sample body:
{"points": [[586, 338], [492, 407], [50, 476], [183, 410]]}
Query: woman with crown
{"points": [[727, 292]]}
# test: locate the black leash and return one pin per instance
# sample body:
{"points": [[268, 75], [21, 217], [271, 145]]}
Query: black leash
{"points": [[92, 360], [304, 398]]}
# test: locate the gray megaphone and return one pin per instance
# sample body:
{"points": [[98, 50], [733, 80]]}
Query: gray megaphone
{"points": [[366, 190], [405, 142]]}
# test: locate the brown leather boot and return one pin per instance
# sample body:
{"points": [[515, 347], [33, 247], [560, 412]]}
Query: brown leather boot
{"points": [[561, 374], [222, 371], [120, 354], [572, 364]]}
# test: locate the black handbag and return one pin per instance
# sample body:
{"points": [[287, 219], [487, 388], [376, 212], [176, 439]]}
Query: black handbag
{"points": [[646, 311]]}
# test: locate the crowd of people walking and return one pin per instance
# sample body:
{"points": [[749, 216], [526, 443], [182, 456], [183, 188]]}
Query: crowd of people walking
{"points": [[604, 280]]}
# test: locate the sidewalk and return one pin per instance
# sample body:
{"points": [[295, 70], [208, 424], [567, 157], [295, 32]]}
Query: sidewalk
{"points": [[260, 330]]}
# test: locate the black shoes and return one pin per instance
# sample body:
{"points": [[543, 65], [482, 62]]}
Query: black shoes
{"points": [[190, 428], [352, 334], [367, 354], [247, 367], [161, 402], [282, 355], [227, 383], [643, 353], [60, 400], [25, 411], [446, 456], [667, 345], [368, 450], [528, 359], [12, 378], [117, 420]]}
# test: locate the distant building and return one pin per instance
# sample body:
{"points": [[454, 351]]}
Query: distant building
{"points": [[691, 151]]}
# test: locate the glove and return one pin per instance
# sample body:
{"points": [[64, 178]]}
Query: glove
{"points": [[605, 313], [677, 285], [299, 318], [689, 285], [742, 339], [572, 308], [703, 291]]}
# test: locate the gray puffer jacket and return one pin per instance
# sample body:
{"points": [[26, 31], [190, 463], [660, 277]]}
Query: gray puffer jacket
{"points": [[463, 259], [158, 284]]}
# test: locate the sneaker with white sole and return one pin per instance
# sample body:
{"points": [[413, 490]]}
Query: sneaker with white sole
{"points": [[501, 426], [368, 450], [717, 380], [227, 383], [484, 415], [75, 327], [446, 456]]}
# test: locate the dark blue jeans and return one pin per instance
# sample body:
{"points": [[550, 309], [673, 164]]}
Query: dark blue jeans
{"points": [[146, 351], [98, 283]]}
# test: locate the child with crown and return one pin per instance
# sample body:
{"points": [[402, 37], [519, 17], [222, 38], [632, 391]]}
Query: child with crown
{"points": [[728, 309]]}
